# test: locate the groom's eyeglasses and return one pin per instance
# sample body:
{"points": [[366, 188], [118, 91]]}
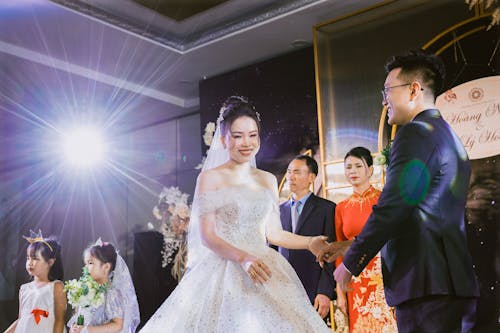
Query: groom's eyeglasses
{"points": [[385, 91]]}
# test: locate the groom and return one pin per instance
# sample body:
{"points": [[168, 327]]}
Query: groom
{"points": [[418, 222], [308, 215]]}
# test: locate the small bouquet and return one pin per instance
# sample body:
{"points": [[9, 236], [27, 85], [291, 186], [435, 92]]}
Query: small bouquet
{"points": [[85, 293], [383, 158]]}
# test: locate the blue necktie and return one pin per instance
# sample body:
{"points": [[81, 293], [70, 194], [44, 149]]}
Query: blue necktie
{"points": [[295, 214]]}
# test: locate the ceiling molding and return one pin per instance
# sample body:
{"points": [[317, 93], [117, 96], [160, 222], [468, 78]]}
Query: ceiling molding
{"points": [[62, 65], [184, 43]]}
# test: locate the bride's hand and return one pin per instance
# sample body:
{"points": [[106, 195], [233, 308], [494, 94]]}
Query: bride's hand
{"points": [[332, 251], [256, 269], [317, 244]]}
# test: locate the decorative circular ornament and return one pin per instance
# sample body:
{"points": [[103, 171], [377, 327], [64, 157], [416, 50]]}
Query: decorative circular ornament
{"points": [[476, 94]]}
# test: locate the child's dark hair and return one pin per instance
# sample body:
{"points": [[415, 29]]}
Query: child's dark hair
{"points": [[233, 108], [361, 153], [49, 249], [104, 253]]}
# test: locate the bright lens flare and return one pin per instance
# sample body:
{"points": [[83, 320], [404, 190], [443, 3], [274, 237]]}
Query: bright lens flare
{"points": [[84, 147]]}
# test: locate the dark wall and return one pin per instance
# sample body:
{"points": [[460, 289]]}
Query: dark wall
{"points": [[283, 92]]}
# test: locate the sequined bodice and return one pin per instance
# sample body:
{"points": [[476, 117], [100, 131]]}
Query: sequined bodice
{"points": [[240, 213]]}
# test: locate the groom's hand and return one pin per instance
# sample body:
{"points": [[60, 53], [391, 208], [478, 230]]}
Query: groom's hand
{"points": [[332, 251], [343, 277]]}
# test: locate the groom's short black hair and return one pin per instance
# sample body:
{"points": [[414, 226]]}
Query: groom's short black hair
{"points": [[310, 162], [420, 65]]}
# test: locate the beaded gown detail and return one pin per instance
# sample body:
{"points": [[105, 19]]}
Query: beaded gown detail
{"points": [[217, 295]]}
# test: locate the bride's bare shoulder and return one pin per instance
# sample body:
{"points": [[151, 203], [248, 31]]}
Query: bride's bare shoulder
{"points": [[266, 178], [209, 180], [264, 174]]}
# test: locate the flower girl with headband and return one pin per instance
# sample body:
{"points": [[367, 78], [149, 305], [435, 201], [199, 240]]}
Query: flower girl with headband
{"points": [[119, 311], [42, 302]]}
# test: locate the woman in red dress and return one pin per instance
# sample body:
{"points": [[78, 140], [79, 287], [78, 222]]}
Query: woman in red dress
{"points": [[365, 304]]}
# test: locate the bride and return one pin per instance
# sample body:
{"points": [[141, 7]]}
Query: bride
{"points": [[234, 282]]}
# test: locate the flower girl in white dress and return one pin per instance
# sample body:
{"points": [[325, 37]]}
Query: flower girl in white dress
{"points": [[234, 282], [120, 311], [42, 302]]}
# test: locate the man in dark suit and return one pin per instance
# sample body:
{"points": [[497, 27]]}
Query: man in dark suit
{"points": [[308, 215], [418, 222]]}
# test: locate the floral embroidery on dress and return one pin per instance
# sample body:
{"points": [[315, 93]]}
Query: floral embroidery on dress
{"points": [[363, 199], [367, 308], [374, 315]]}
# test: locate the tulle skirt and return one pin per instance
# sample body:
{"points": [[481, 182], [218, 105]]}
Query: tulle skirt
{"points": [[217, 295]]}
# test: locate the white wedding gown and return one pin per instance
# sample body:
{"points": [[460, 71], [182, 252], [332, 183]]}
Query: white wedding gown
{"points": [[217, 295]]}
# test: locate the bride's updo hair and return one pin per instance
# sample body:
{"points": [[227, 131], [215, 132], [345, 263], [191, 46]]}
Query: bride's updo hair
{"points": [[233, 108]]}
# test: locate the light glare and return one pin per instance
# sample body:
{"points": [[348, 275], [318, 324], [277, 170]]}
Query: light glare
{"points": [[84, 147]]}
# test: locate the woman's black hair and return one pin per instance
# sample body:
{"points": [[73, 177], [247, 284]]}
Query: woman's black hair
{"points": [[104, 253], [361, 153], [233, 108], [53, 252]]}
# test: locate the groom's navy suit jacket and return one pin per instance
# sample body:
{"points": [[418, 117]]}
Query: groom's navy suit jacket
{"points": [[419, 219], [316, 218]]}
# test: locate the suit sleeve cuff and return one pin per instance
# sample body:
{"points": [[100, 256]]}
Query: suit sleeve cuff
{"points": [[352, 265], [347, 269]]}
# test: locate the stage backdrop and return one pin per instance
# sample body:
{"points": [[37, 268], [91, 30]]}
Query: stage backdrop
{"points": [[282, 90]]}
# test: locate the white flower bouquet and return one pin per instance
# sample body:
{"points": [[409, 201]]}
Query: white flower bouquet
{"points": [[209, 133], [173, 211], [208, 136], [85, 293]]}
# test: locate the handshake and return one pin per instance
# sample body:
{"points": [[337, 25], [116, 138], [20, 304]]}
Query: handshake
{"points": [[327, 252]]}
